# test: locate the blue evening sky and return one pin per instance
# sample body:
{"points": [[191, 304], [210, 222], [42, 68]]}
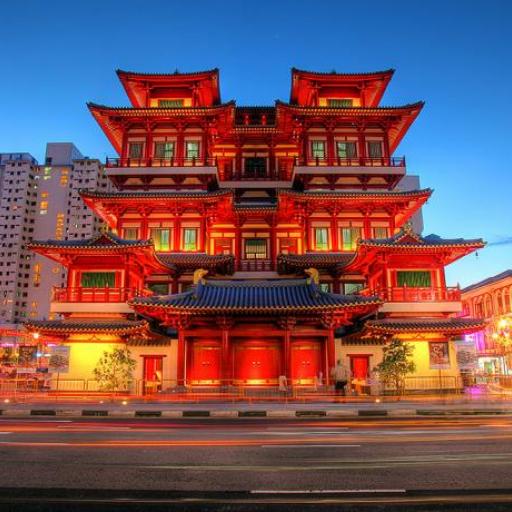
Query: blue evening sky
{"points": [[455, 55]]}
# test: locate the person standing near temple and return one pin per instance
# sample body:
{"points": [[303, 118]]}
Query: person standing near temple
{"points": [[341, 375]]}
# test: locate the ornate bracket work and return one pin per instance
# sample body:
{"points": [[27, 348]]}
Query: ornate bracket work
{"points": [[287, 322], [334, 320], [179, 322], [225, 322]]}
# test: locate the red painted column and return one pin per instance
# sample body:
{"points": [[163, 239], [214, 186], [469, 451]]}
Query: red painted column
{"points": [[180, 146], [331, 153], [177, 234], [334, 231], [287, 324], [180, 360], [331, 353], [225, 325]]}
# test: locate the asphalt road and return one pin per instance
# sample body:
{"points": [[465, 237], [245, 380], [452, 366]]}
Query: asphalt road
{"points": [[320, 459]]}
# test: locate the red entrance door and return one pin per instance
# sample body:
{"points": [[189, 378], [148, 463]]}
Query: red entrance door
{"points": [[359, 366], [204, 363], [306, 361], [257, 363], [152, 374]]}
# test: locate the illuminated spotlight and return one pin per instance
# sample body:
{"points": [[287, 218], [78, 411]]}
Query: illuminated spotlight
{"points": [[377, 400], [102, 401], [124, 402], [6, 401]]}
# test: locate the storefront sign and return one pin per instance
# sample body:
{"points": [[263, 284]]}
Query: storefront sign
{"points": [[27, 359], [439, 355], [466, 354], [59, 359]]}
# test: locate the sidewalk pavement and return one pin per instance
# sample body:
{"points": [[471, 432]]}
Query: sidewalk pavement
{"points": [[410, 406]]}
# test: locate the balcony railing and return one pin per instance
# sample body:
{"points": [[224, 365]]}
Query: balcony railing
{"points": [[412, 294], [103, 294], [161, 162], [390, 161]]}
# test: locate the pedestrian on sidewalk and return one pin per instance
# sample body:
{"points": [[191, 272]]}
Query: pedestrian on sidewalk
{"points": [[341, 375]]}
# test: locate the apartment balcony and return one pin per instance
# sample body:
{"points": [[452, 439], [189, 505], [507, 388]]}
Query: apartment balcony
{"points": [[357, 172], [179, 173], [94, 300], [408, 299]]}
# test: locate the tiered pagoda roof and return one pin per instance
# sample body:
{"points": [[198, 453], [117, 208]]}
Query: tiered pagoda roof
{"points": [[140, 86], [182, 262], [446, 326], [332, 262], [112, 120], [109, 205], [116, 326], [102, 244], [406, 241], [246, 297], [373, 83]]}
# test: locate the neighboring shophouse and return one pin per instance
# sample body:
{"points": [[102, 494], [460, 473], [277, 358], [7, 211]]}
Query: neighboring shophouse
{"points": [[491, 299], [250, 243], [40, 201]]}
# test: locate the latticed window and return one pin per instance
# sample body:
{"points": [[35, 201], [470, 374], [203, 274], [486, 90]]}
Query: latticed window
{"points": [[192, 149], [98, 279], [130, 233], [321, 239], [352, 288], [340, 102], [256, 248], [380, 232], [190, 239], [161, 238], [349, 237], [159, 288], [171, 103], [375, 149], [414, 278], [325, 287], [135, 149], [346, 149], [164, 150], [318, 148]]}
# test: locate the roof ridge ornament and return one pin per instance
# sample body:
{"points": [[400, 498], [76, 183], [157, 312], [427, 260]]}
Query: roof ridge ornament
{"points": [[314, 275], [199, 276]]}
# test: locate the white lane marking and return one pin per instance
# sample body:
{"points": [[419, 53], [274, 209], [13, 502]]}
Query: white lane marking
{"points": [[94, 428], [328, 491], [310, 446], [35, 420], [14, 443], [313, 433]]}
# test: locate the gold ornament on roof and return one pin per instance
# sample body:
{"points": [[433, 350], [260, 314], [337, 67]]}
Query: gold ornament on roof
{"points": [[314, 275], [199, 275]]}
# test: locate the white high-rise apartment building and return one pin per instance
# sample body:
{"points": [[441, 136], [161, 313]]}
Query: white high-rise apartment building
{"points": [[40, 202]]}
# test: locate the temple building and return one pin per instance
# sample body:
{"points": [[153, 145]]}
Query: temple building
{"points": [[249, 243]]}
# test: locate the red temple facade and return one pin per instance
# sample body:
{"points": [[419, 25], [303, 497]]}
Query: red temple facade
{"points": [[249, 243]]}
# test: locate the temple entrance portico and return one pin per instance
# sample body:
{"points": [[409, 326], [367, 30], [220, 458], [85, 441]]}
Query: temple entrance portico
{"points": [[258, 332]]}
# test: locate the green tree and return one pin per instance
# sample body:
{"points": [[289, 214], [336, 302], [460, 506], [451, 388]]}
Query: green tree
{"points": [[396, 364], [114, 370]]}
